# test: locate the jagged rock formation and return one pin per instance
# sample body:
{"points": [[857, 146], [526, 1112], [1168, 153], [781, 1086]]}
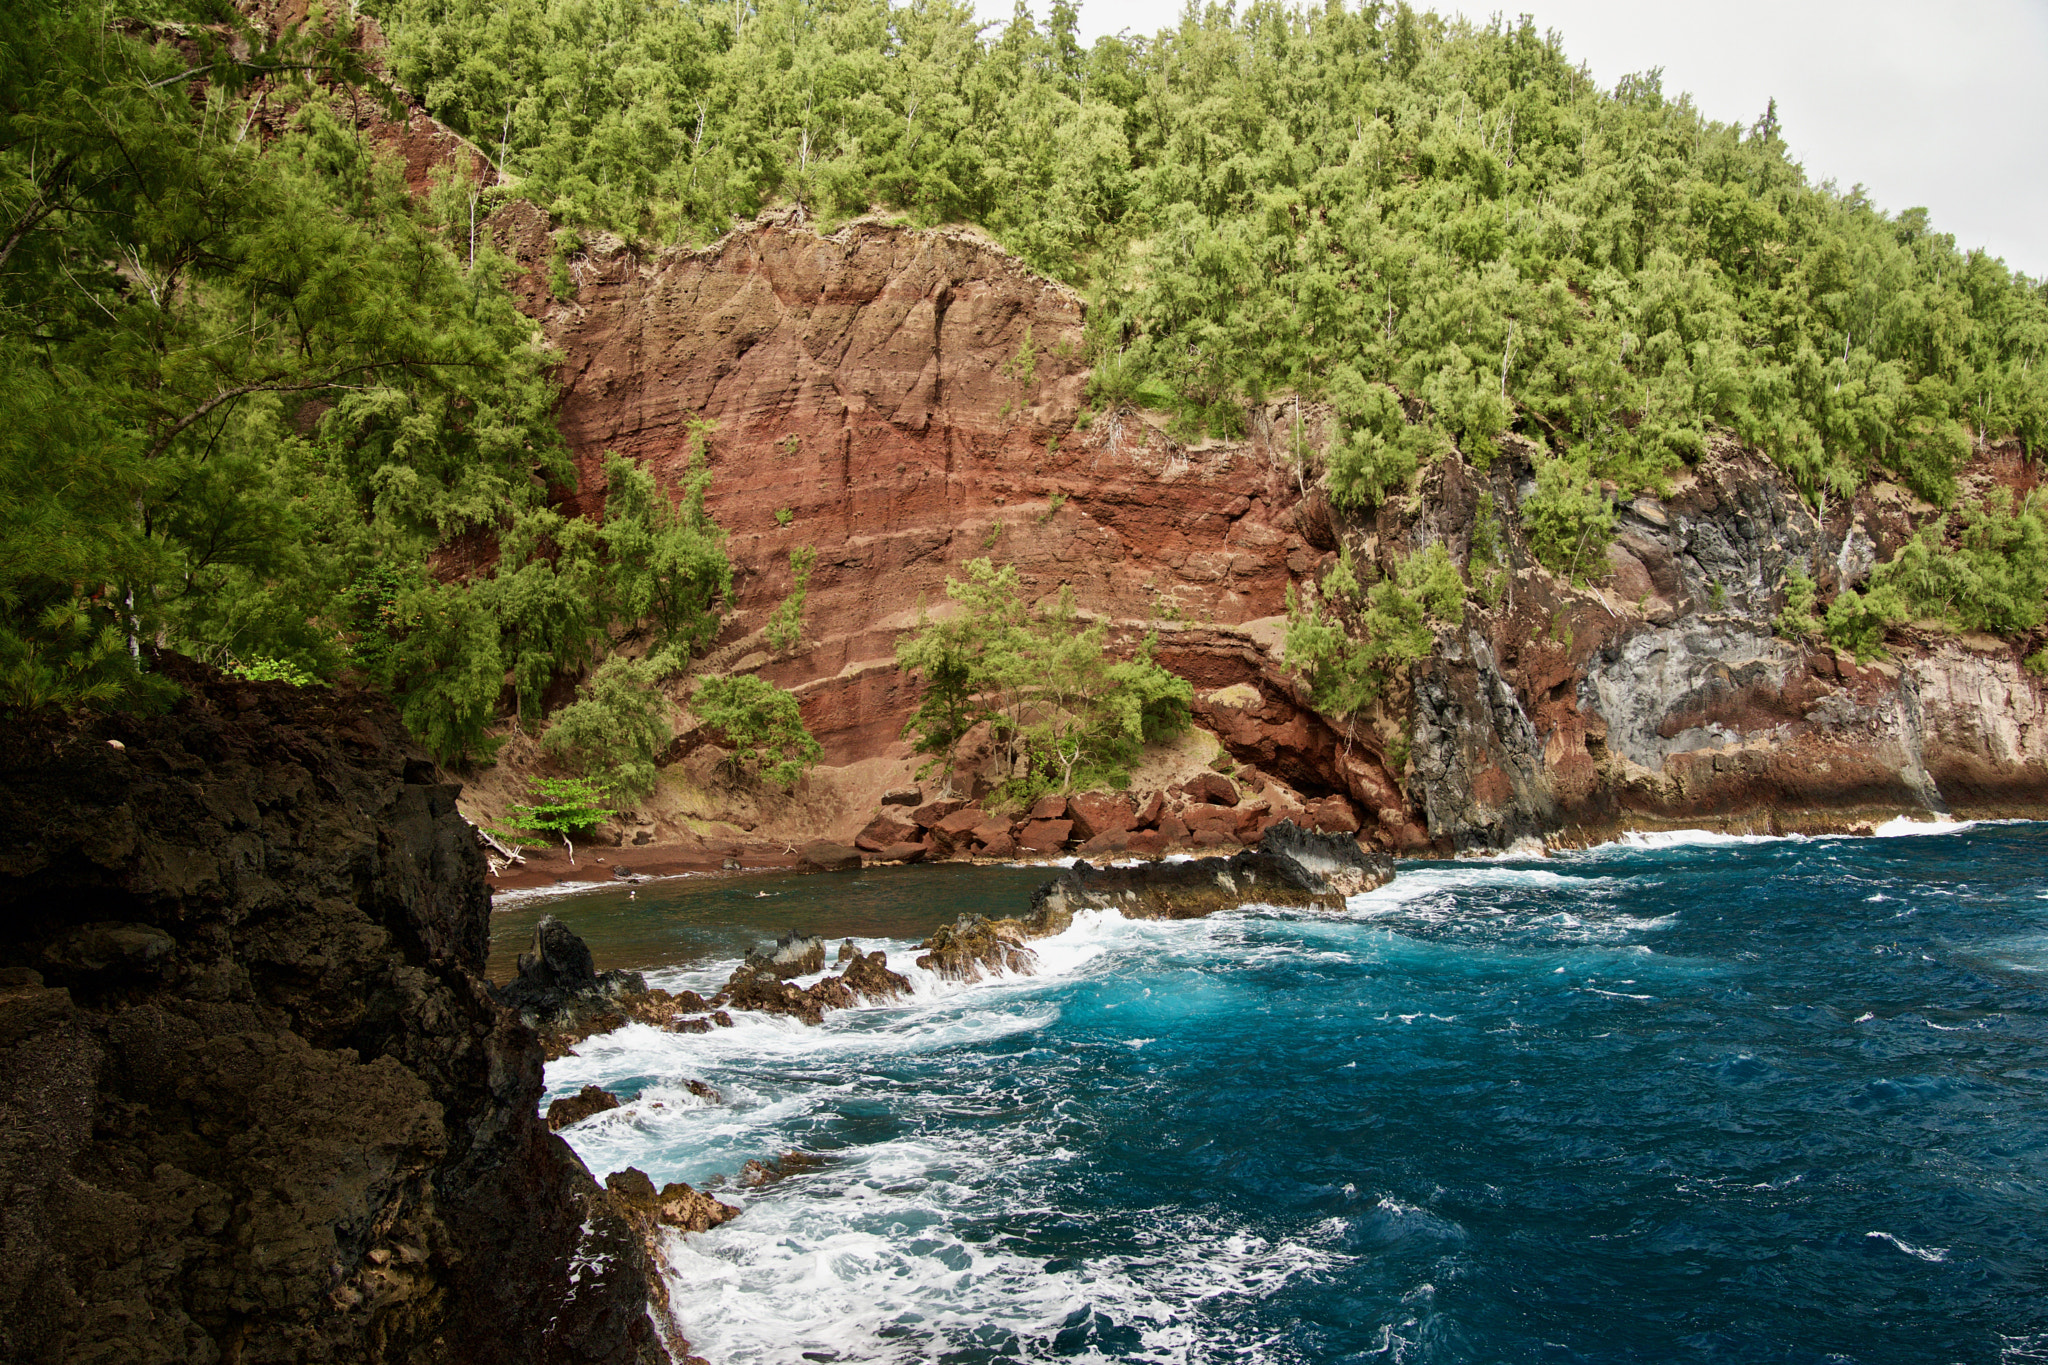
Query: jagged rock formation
{"points": [[259, 1102]]}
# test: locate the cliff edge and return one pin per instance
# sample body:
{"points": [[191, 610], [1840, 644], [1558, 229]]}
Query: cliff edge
{"points": [[260, 1104]]}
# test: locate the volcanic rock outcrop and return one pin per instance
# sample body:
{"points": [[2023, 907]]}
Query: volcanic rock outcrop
{"points": [[259, 1102]]}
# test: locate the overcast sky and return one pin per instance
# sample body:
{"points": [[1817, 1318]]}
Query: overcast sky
{"points": [[1941, 105]]}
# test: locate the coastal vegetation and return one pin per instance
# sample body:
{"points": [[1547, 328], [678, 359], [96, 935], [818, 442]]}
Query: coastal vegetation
{"points": [[265, 405], [1064, 714]]}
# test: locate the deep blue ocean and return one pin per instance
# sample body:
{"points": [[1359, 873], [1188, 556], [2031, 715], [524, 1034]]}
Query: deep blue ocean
{"points": [[1691, 1098]]}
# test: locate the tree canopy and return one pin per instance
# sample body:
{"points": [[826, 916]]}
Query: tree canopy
{"points": [[1432, 222]]}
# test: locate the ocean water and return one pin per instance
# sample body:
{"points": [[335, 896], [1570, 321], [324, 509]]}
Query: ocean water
{"points": [[1676, 1099]]}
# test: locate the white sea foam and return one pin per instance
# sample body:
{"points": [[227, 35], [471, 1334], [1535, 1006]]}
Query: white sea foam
{"points": [[1687, 838], [1905, 825], [1921, 1253], [520, 895]]}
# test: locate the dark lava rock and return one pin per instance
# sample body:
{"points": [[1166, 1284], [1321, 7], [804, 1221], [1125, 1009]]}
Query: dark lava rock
{"points": [[579, 1106], [560, 993], [974, 946], [256, 1101], [1334, 856], [870, 978], [1291, 867]]}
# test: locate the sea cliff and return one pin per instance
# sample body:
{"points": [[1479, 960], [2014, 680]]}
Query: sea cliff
{"points": [[260, 1103], [915, 399]]}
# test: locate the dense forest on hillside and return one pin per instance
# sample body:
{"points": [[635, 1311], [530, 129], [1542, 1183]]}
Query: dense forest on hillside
{"points": [[1286, 198], [249, 385]]}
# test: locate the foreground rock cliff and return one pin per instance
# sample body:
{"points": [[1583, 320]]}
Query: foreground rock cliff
{"points": [[905, 401], [259, 1104]]}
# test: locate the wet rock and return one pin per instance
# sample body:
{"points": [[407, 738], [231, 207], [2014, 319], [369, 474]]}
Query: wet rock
{"points": [[708, 1094], [847, 952], [559, 992], [793, 954], [869, 978], [675, 1206], [1337, 858], [758, 1173], [583, 1104], [973, 947], [825, 856]]}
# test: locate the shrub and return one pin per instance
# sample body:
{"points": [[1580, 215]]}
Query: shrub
{"points": [[762, 724], [1376, 449], [1568, 522], [616, 728], [1347, 672], [1797, 621]]}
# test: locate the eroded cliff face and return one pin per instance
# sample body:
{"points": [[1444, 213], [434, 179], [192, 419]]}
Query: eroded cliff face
{"points": [[259, 1103], [1664, 696], [913, 400]]}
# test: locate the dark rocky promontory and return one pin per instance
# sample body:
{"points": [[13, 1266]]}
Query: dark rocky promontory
{"points": [[259, 1103]]}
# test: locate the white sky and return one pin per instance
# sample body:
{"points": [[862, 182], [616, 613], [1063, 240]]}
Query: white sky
{"points": [[1923, 103]]}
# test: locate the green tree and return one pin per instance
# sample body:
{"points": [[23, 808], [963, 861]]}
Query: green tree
{"points": [[1568, 522], [1349, 646], [786, 623], [616, 729], [665, 563], [559, 807], [761, 724], [1069, 715]]}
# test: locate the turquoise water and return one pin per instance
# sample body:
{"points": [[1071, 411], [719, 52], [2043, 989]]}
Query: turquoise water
{"points": [[1707, 1099]]}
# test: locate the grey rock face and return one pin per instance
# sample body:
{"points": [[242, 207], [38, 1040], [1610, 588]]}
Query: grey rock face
{"points": [[1638, 683]]}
